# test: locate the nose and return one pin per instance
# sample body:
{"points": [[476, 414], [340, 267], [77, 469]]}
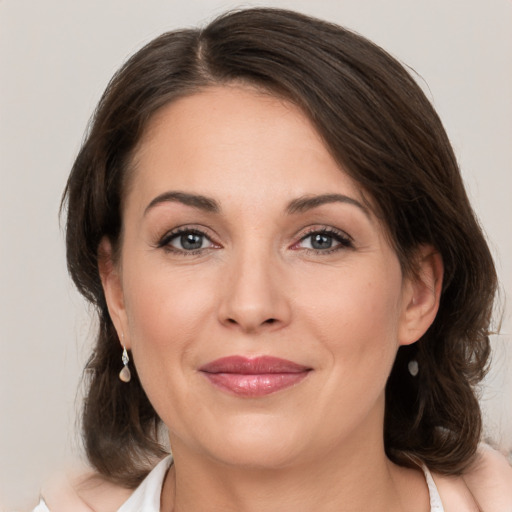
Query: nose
{"points": [[254, 295]]}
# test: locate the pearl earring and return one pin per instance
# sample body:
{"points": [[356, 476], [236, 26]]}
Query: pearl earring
{"points": [[125, 374]]}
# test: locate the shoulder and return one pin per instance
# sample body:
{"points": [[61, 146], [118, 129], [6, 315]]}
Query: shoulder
{"points": [[83, 491], [486, 486], [489, 479], [454, 494]]}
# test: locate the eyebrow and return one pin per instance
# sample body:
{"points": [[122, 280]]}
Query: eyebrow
{"points": [[299, 205], [195, 200], [303, 204]]}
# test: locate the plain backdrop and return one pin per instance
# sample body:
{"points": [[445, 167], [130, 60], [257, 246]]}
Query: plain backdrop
{"points": [[56, 57]]}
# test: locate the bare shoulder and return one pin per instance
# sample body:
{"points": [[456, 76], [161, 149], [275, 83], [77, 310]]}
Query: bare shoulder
{"points": [[455, 494], [489, 480], [485, 487], [83, 491]]}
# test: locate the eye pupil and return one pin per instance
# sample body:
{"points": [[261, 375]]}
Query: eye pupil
{"points": [[191, 241], [321, 241]]}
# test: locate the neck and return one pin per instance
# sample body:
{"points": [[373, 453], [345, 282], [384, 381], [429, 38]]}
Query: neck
{"points": [[356, 476]]}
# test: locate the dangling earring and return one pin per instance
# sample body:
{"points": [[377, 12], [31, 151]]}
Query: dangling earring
{"points": [[413, 367], [125, 374]]}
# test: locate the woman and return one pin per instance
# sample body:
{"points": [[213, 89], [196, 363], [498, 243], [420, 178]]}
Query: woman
{"points": [[288, 276]]}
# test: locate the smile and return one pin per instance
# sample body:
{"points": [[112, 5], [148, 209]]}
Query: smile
{"points": [[254, 377]]}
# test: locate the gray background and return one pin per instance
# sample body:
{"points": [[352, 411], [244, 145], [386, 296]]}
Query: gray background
{"points": [[56, 57]]}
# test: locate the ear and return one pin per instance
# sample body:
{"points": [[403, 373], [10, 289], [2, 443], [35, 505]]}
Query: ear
{"points": [[421, 295], [110, 275]]}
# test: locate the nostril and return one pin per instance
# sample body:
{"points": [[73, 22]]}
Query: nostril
{"points": [[249, 324]]}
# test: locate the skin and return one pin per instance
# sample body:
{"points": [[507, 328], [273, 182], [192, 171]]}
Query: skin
{"points": [[257, 286]]}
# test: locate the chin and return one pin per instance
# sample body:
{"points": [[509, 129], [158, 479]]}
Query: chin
{"points": [[259, 444]]}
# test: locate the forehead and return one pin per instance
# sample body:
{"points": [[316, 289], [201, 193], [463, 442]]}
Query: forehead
{"points": [[235, 138]]}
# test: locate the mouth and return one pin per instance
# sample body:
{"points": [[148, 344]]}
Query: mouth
{"points": [[253, 377]]}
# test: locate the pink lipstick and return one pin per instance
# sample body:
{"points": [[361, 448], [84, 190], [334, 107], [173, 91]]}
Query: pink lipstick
{"points": [[253, 377]]}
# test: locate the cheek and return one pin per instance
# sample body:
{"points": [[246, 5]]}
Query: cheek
{"points": [[357, 328], [356, 315], [163, 305], [166, 314]]}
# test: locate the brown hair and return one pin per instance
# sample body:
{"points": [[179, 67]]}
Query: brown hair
{"points": [[383, 131]]}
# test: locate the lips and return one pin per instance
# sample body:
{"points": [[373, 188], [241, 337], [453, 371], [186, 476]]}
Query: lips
{"points": [[253, 377]]}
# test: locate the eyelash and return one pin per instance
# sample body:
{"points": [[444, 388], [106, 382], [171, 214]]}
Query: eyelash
{"points": [[165, 242], [344, 241]]}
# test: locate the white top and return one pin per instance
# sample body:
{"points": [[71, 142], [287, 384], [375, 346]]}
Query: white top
{"points": [[146, 498], [435, 499]]}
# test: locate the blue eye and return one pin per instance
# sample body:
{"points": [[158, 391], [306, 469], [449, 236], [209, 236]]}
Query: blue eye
{"points": [[188, 240], [321, 241], [325, 241]]}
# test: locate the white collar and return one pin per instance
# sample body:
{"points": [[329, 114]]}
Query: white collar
{"points": [[147, 495]]}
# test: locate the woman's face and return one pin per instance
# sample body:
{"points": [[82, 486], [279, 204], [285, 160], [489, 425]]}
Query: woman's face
{"points": [[256, 288]]}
